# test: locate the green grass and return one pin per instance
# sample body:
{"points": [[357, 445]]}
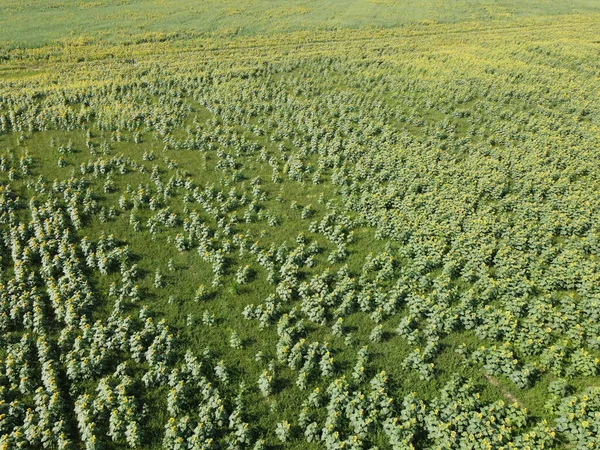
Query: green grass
{"points": [[35, 23]]}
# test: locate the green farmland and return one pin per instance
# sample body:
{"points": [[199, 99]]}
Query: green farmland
{"points": [[300, 225], [37, 22]]}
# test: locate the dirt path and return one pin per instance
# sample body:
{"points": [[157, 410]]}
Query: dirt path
{"points": [[493, 381]]}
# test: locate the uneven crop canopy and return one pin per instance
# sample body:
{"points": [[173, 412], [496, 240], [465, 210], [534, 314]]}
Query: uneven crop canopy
{"points": [[333, 239]]}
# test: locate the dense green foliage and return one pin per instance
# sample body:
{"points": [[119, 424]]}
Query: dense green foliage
{"points": [[376, 239]]}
